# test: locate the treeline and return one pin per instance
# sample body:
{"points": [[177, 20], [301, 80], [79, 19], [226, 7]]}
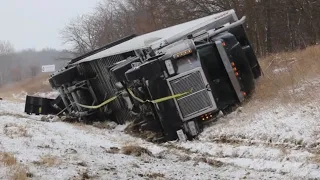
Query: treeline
{"points": [[16, 66], [272, 25]]}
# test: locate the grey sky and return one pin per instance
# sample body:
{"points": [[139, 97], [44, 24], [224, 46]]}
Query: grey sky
{"points": [[37, 23]]}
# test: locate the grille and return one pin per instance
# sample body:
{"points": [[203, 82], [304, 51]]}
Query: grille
{"points": [[195, 103], [192, 81]]}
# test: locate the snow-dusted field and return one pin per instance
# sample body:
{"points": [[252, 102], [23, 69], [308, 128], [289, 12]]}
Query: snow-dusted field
{"points": [[269, 140]]}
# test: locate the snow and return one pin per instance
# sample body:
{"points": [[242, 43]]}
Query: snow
{"points": [[50, 94], [293, 124], [258, 141], [22, 95], [280, 70]]}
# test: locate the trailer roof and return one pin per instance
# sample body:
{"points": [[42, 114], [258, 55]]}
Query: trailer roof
{"points": [[157, 37]]}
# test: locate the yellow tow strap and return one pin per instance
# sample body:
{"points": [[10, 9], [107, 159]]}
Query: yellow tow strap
{"points": [[135, 97], [100, 105], [161, 99]]}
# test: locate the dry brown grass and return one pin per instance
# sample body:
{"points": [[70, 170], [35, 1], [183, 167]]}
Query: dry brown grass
{"points": [[7, 159], [210, 161], [30, 85], [214, 163], [14, 130], [315, 159], [19, 173], [48, 160], [134, 130], [135, 150], [294, 69], [16, 171], [112, 150], [156, 176], [102, 125]]}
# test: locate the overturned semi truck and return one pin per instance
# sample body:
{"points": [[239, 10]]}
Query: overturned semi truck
{"points": [[169, 81]]}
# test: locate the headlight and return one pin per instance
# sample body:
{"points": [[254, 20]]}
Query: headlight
{"points": [[169, 67]]}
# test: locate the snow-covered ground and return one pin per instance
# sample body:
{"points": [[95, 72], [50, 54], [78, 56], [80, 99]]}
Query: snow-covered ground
{"points": [[261, 140]]}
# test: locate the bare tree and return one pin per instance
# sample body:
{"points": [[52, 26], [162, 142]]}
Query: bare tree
{"points": [[82, 33], [272, 25], [6, 47]]}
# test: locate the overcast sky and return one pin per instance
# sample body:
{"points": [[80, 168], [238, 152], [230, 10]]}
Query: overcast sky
{"points": [[37, 23]]}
